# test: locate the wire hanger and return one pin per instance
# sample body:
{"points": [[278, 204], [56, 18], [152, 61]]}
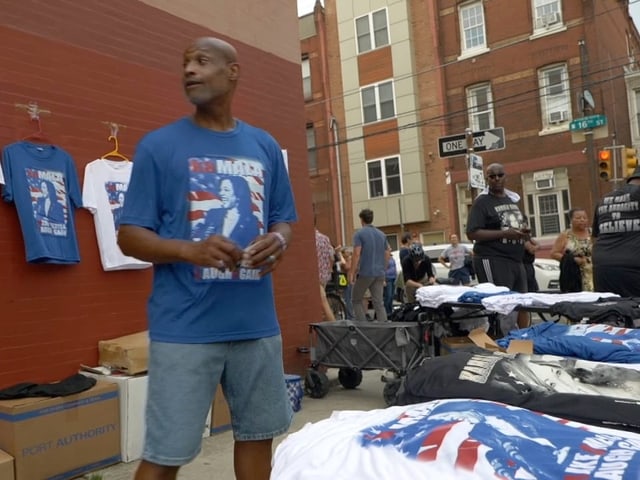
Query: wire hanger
{"points": [[114, 136], [34, 112]]}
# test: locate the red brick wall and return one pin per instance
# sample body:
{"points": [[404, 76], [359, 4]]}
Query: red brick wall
{"points": [[89, 62]]}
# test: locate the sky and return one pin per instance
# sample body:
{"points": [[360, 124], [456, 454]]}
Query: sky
{"points": [[306, 6], [634, 9]]}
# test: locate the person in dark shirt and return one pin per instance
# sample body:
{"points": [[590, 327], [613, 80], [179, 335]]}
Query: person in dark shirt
{"points": [[417, 271], [616, 236], [499, 231]]}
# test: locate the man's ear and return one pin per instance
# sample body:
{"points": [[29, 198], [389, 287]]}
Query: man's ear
{"points": [[234, 71]]}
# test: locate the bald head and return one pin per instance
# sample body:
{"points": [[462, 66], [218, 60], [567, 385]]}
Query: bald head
{"points": [[210, 73], [495, 179], [495, 167], [216, 45]]}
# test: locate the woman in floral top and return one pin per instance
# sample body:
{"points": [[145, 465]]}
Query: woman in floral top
{"points": [[577, 242]]}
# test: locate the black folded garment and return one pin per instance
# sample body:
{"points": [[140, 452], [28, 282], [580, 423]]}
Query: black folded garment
{"points": [[534, 382], [74, 384]]}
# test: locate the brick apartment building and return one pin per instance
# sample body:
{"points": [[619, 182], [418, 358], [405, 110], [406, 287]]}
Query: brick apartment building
{"points": [[403, 74]]}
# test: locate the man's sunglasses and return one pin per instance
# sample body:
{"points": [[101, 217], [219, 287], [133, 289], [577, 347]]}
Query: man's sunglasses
{"points": [[493, 176]]}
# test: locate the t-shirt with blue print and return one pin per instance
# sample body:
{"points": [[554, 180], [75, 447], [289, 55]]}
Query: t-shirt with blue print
{"points": [[188, 183], [42, 182]]}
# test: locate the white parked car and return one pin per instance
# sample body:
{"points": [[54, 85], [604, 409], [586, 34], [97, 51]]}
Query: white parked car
{"points": [[547, 270]]}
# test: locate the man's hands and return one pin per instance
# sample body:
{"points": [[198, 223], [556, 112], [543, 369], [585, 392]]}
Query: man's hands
{"points": [[217, 251], [516, 234], [214, 251], [264, 252]]}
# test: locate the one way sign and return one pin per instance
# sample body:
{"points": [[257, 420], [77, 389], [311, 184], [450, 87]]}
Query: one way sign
{"points": [[483, 140]]}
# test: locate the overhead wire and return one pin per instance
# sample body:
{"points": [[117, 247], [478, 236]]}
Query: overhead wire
{"points": [[502, 101]]}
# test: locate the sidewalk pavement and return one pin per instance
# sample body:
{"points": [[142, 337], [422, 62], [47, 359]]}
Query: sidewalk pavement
{"points": [[216, 459]]}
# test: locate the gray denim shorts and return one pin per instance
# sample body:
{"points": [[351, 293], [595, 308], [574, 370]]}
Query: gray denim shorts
{"points": [[183, 379]]}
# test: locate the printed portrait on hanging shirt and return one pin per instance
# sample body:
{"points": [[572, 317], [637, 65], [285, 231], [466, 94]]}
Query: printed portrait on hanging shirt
{"points": [[49, 201], [226, 199], [115, 196]]}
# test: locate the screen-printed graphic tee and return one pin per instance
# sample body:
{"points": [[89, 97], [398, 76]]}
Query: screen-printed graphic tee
{"points": [[42, 182], [103, 193]]}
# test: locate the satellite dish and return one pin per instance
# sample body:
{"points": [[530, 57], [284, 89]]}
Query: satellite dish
{"points": [[588, 98]]}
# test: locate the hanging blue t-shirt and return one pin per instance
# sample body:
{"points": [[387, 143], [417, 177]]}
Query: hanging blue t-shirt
{"points": [[189, 183], [42, 182]]}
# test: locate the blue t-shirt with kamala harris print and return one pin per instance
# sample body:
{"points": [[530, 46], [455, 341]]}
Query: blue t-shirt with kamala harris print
{"points": [[42, 182], [188, 183]]}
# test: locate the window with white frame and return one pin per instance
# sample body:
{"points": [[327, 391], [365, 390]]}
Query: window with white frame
{"points": [[383, 177], [480, 107], [378, 102], [555, 96], [312, 155], [472, 28], [372, 31], [548, 212], [546, 14], [306, 79]]}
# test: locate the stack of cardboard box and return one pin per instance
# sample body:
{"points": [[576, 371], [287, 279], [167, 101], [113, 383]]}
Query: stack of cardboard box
{"points": [[60, 437]]}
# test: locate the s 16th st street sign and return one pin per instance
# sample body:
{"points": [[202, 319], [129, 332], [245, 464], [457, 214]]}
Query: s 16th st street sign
{"points": [[483, 140]]}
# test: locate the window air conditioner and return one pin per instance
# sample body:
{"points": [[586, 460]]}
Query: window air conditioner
{"points": [[544, 183], [558, 116], [546, 20]]}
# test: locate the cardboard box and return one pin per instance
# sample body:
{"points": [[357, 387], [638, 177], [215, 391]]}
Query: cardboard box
{"points": [[130, 353], [481, 339], [62, 437], [220, 417], [133, 399], [454, 344], [6, 466]]}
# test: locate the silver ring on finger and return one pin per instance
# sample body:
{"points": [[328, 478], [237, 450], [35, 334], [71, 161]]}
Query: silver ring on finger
{"points": [[271, 258]]}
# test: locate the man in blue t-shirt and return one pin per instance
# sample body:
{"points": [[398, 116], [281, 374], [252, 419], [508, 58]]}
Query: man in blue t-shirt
{"points": [[371, 253], [211, 311]]}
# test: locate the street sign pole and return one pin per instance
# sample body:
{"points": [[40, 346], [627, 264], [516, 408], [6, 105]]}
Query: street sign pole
{"points": [[469, 138]]}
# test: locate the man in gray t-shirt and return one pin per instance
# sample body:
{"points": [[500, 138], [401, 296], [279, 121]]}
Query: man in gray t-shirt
{"points": [[371, 253], [456, 254]]}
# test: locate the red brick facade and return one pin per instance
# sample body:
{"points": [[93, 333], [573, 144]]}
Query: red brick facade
{"points": [[92, 62]]}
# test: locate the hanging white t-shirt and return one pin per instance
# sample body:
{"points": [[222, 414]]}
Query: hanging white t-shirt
{"points": [[1, 176], [105, 184]]}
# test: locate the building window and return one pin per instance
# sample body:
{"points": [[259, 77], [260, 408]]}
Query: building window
{"points": [[378, 102], [555, 96], [480, 107], [383, 177], [372, 31], [472, 27], [392, 240], [306, 79], [546, 14], [548, 212], [312, 154]]}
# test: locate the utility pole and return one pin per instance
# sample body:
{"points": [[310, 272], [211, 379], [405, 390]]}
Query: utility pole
{"points": [[588, 134]]}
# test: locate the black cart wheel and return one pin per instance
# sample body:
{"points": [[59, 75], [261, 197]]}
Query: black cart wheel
{"points": [[350, 377], [390, 392], [316, 384]]}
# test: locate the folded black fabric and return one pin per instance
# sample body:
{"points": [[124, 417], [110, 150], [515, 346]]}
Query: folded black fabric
{"points": [[534, 382], [74, 384]]}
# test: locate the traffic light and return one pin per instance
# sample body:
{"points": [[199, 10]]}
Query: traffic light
{"points": [[604, 165], [630, 161]]}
